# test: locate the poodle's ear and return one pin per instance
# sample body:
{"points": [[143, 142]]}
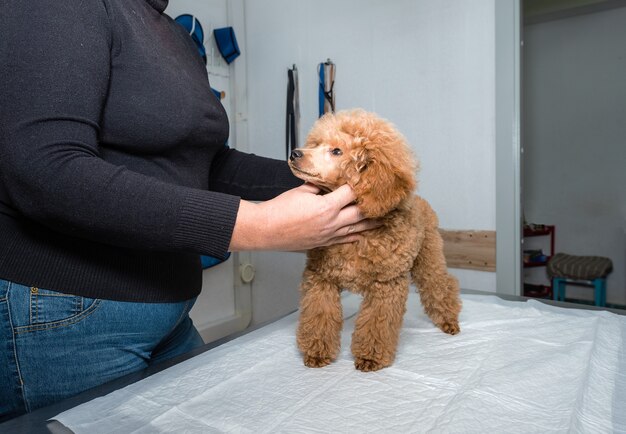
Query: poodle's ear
{"points": [[355, 165], [387, 177]]}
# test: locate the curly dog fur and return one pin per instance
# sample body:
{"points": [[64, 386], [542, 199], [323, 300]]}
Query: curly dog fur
{"points": [[366, 152]]}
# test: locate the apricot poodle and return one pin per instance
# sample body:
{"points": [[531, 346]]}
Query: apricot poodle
{"points": [[366, 152]]}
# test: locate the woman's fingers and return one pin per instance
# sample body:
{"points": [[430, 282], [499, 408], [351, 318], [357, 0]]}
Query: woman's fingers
{"points": [[342, 196], [349, 221], [360, 226], [350, 215]]}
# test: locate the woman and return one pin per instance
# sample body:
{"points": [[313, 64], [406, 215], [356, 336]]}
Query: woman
{"points": [[114, 179]]}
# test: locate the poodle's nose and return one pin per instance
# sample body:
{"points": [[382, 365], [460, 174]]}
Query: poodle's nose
{"points": [[295, 154]]}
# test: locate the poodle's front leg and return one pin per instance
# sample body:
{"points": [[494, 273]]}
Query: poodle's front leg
{"points": [[321, 319], [377, 327]]}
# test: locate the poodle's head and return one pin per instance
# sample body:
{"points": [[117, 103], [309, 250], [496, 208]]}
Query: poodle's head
{"points": [[362, 150]]}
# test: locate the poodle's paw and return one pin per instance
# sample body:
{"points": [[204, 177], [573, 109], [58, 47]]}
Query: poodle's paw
{"points": [[367, 365], [316, 362], [450, 327]]}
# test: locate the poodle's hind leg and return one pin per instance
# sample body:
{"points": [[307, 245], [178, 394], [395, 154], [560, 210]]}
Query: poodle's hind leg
{"points": [[439, 291], [378, 324], [321, 319]]}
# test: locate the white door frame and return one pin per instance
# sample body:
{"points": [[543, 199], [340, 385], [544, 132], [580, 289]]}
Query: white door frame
{"points": [[508, 44]]}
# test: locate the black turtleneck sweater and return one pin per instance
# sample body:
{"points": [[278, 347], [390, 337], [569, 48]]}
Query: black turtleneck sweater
{"points": [[114, 174]]}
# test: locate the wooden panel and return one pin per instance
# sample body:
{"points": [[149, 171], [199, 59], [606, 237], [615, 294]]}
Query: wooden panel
{"points": [[473, 250]]}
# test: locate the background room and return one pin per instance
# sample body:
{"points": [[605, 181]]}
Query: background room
{"points": [[574, 134]]}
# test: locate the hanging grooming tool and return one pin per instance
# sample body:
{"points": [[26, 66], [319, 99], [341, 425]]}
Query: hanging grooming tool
{"points": [[227, 43], [219, 94], [293, 111], [326, 72], [193, 26]]}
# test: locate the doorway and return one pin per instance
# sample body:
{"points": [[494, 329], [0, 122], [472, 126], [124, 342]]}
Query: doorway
{"points": [[573, 166]]}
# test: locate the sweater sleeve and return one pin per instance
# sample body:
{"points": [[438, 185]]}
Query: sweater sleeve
{"points": [[250, 176], [53, 85]]}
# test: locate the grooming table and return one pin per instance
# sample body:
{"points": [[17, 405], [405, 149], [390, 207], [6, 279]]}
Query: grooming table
{"points": [[516, 366]]}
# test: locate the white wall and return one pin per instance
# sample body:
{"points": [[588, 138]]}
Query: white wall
{"points": [[575, 136], [426, 65]]}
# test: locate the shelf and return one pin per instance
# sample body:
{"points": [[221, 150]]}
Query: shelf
{"points": [[546, 230], [535, 264], [539, 291]]}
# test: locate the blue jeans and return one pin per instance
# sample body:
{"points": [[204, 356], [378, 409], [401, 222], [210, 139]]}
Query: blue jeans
{"points": [[54, 345]]}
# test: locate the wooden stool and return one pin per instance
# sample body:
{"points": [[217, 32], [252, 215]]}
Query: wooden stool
{"points": [[579, 270]]}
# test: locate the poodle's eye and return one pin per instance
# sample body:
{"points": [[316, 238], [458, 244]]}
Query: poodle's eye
{"points": [[336, 152]]}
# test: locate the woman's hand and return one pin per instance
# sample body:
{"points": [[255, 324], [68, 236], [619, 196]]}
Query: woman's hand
{"points": [[299, 219]]}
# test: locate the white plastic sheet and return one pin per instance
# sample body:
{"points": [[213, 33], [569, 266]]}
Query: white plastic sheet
{"points": [[516, 367]]}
